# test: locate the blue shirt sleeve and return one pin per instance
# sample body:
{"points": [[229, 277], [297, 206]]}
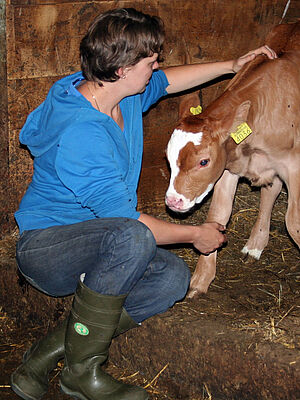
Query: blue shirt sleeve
{"points": [[86, 165], [154, 90]]}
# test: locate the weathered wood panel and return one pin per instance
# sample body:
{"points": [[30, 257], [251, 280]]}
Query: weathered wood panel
{"points": [[4, 171]]}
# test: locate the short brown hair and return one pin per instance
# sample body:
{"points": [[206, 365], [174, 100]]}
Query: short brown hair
{"points": [[119, 38]]}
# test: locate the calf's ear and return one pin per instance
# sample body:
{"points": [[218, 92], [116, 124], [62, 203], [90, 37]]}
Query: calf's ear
{"points": [[188, 101], [241, 115], [222, 130]]}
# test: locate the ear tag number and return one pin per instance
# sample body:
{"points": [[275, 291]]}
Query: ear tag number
{"points": [[242, 131]]}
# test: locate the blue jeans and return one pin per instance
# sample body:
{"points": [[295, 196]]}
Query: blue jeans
{"points": [[117, 255]]}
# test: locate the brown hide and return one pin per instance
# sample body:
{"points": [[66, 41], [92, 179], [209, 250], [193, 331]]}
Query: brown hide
{"points": [[272, 90], [266, 95]]}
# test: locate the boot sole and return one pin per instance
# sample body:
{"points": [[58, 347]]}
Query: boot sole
{"points": [[22, 394], [77, 395], [69, 392]]}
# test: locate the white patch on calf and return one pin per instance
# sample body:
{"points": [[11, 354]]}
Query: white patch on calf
{"points": [[201, 197], [253, 252], [178, 140]]}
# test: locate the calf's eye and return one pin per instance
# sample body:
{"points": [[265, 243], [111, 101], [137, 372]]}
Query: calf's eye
{"points": [[203, 163]]}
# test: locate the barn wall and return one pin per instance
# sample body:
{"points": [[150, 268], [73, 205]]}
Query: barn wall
{"points": [[4, 181], [39, 42]]}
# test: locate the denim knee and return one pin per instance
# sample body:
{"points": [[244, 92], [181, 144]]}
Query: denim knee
{"points": [[139, 239], [183, 276], [175, 279], [165, 282], [123, 261]]}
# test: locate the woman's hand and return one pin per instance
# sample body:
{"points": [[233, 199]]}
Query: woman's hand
{"points": [[206, 237], [241, 61], [209, 237]]}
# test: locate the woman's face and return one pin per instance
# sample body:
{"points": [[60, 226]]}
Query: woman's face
{"points": [[138, 75]]}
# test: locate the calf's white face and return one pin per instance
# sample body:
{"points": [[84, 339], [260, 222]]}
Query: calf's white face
{"points": [[187, 157]]}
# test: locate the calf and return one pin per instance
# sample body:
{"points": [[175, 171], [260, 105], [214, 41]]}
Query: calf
{"points": [[252, 130]]}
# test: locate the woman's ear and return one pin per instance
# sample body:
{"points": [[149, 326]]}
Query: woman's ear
{"points": [[122, 72]]}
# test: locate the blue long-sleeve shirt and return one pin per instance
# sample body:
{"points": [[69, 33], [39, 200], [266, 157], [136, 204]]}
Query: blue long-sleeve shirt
{"points": [[85, 166]]}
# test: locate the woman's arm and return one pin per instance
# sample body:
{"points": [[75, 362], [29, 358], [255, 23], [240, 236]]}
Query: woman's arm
{"points": [[206, 237], [188, 76]]}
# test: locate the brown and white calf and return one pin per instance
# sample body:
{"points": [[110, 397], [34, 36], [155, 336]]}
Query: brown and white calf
{"points": [[265, 97]]}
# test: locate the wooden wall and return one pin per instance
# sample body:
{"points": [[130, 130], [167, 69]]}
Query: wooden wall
{"points": [[39, 44]]}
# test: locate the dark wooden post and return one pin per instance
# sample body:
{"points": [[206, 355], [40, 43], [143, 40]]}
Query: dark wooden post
{"points": [[4, 164]]}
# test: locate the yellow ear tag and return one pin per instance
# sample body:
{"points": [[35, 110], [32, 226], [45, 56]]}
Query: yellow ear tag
{"points": [[196, 110], [242, 131]]}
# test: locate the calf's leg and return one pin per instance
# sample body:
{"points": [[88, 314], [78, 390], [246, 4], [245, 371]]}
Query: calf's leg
{"points": [[292, 217], [219, 211], [259, 236], [203, 275]]}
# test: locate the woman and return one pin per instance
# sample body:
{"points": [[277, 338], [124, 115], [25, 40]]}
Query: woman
{"points": [[78, 222]]}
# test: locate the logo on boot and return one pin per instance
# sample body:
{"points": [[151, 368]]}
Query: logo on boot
{"points": [[81, 329]]}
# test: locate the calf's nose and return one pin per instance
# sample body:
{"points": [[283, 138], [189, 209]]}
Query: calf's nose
{"points": [[174, 202]]}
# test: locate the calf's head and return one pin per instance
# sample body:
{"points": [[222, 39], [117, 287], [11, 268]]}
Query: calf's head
{"points": [[197, 156], [196, 160]]}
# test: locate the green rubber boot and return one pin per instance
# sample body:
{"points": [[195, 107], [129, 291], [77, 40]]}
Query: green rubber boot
{"points": [[125, 323], [30, 379], [92, 323]]}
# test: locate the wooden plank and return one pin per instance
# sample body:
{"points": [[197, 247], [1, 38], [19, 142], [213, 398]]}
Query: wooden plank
{"points": [[4, 164], [43, 40]]}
